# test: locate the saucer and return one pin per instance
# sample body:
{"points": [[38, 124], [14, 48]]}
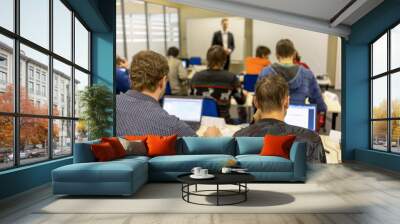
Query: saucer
{"points": [[208, 176]]}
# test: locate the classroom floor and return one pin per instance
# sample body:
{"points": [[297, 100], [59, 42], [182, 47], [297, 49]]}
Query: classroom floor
{"points": [[350, 181]]}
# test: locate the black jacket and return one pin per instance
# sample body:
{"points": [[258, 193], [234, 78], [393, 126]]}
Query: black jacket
{"points": [[217, 40]]}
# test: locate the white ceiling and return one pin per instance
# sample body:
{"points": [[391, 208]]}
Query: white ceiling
{"points": [[319, 9], [315, 15]]}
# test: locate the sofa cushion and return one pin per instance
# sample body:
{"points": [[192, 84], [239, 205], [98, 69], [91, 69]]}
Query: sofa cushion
{"points": [[83, 152], [206, 145], [116, 145], [161, 145], [277, 145], [249, 145], [185, 163], [112, 171], [103, 152], [257, 163]]}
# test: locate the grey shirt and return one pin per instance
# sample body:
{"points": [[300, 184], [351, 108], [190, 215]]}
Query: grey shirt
{"points": [[315, 149], [139, 114]]}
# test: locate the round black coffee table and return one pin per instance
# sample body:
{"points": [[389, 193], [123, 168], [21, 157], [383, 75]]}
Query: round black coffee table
{"points": [[238, 179]]}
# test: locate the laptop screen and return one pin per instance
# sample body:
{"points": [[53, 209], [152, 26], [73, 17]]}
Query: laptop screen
{"points": [[186, 109], [302, 116]]}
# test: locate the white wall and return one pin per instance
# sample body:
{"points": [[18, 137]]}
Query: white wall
{"points": [[312, 46], [199, 33], [338, 78]]}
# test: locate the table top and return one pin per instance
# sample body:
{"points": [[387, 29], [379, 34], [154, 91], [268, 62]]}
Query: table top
{"points": [[220, 178]]}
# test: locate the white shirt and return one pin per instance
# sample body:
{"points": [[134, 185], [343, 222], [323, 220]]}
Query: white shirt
{"points": [[225, 40]]}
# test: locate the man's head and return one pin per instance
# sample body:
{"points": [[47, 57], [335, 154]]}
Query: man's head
{"points": [[216, 57], [149, 73], [285, 49], [122, 62], [272, 94], [224, 24], [262, 52], [173, 51]]}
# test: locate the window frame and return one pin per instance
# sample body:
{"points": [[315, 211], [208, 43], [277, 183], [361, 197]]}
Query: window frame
{"points": [[388, 74], [16, 114]]}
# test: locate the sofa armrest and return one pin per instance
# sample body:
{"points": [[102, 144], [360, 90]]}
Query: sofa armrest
{"points": [[298, 157], [83, 152]]}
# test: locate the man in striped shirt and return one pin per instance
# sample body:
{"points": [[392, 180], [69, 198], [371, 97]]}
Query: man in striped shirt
{"points": [[138, 110]]}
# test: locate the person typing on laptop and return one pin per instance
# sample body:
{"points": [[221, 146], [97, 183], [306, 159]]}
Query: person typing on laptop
{"points": [[272, 102], [138, 110]]}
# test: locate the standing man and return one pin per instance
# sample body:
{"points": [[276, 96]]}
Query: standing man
{"points": [[225, 39]]}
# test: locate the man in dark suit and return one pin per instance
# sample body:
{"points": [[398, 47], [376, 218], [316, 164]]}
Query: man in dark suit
{"points": [[225, 39]]}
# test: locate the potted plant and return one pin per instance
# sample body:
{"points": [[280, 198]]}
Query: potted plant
{"points": [[96, 103]]}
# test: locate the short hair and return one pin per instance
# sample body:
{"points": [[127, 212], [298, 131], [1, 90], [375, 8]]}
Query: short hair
{"points": [[224, 19], [216, 56], [285, 48], [262, 50], [173, 51], [119, 60], [270, 92], [147, 69]]}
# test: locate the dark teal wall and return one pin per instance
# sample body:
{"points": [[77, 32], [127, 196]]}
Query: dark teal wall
{"points": [[355, 85], [99, 16], [24, 178]]}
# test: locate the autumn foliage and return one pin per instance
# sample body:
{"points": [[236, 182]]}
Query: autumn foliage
{"points": [[33, 131]]}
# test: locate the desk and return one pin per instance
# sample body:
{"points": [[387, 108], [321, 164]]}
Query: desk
{"points": [[227, 130], [195, 68], [333, 106]]}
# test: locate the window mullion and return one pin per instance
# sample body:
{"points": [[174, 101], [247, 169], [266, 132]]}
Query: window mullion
{"points": [[16, 84]]}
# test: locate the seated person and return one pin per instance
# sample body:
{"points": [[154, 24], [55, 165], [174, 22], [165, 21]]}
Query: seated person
{"points": [[138, 110], [177, 74], [122, 75], [217, 83], [297, 61], [302, 82], [254, 65], [272, 101]]}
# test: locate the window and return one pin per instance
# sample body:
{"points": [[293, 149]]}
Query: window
{"points": [[172, 27], [45, 73], [385, 96], [143, 25], [30, 87], [81, 45], [7, 14], [34, 21]]}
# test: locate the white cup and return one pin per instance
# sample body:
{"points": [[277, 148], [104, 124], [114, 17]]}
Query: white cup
{"points": [[226, 170], [196, 171], [203, 172]]}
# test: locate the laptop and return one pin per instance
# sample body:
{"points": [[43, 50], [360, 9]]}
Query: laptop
{"points": [[302, 116], [187, 109]]}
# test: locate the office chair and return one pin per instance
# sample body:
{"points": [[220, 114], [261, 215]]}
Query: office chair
{"points": [[210, 108], [168, 89], [249, 82]]}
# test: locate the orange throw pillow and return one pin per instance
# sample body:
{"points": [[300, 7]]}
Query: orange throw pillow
{"points": [[116, 145], [277, 145], [135, 138], [103, 152], [161, 145]]}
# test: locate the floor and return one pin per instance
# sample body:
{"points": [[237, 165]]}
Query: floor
{"points": [[379, 189]]}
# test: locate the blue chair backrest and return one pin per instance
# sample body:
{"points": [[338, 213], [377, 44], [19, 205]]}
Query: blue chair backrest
{"points": [[195, 61], [168, 89], [249, 82], [210, 108]]}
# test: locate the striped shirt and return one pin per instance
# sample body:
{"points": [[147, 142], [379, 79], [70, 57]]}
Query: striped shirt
{"points": [[139, 114]]}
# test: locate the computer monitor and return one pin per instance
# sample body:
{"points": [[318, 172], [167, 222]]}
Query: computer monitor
{"points": [[185, 108], [302, 115], [184, 64]]}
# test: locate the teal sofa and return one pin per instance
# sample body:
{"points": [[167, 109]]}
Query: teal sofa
{"points": [[125, 176]]}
